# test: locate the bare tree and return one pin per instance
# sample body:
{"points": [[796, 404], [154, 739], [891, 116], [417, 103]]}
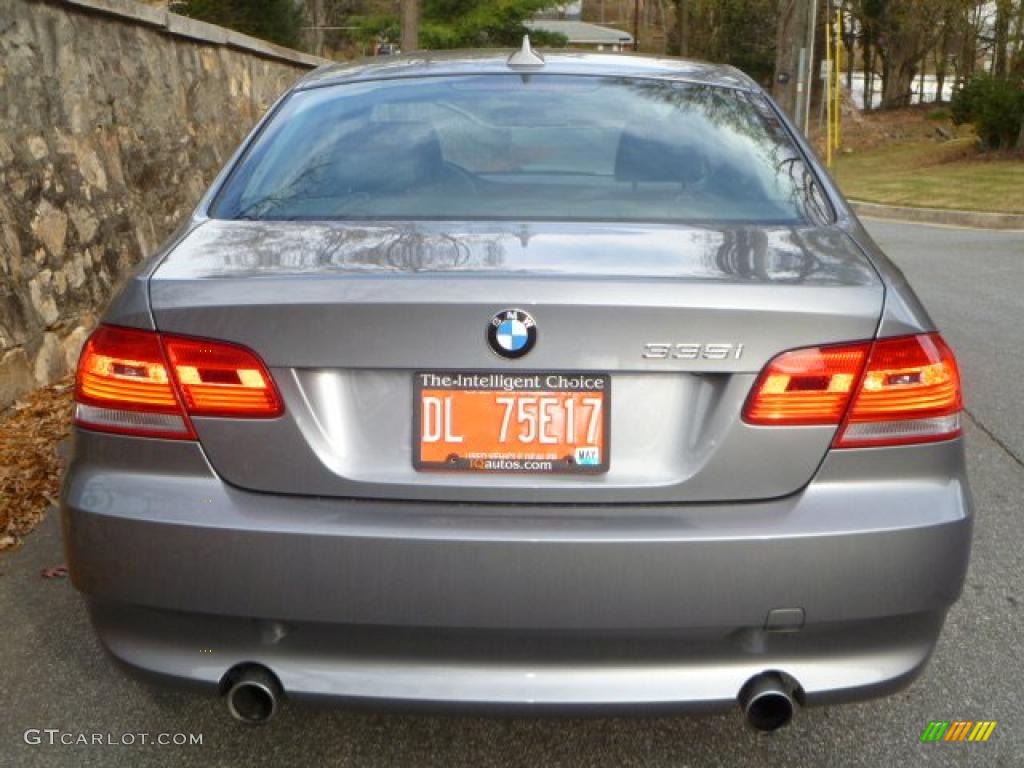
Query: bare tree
{"points": [[1018, 60], [908, 31], [317, 21], [683, 26], [410, 25], [942, 51], [1001, 42]]}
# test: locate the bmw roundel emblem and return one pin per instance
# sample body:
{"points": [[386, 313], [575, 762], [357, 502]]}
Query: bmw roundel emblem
{"points": [[511, 333]]}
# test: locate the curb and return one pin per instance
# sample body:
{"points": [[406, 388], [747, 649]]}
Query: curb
{"points": [[950, 218]]}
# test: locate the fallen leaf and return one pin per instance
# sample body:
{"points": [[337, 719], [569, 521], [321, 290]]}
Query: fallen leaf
{"points": [[32, 469], [54, 572]]}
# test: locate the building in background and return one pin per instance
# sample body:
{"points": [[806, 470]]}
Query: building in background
{"points": [[584, 35]]}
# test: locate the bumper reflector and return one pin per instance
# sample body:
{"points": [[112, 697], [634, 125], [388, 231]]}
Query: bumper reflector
{"points": [[136, 422], [908, 430]]}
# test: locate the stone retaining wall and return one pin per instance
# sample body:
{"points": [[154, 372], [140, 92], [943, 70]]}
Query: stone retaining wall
{"points": [[114, 118]]}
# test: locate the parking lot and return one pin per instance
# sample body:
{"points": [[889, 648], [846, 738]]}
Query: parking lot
{"points": [[53, 674]]}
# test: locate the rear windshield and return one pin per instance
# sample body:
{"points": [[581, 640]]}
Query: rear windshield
{"points": [[537, 147]]}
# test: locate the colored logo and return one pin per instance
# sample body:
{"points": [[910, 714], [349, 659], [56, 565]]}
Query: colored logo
{"points": [[958, 730], [511, 333]]}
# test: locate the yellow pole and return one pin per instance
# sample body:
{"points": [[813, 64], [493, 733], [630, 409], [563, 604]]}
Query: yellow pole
{"points": [[828, 92]]}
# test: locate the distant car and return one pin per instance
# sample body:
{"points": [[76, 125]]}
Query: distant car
{"points": [[386, 49], [520, 383]]}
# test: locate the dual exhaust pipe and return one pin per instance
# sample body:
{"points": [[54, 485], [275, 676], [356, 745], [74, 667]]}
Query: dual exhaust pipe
{"points": [[253, 695], [768, 700]]}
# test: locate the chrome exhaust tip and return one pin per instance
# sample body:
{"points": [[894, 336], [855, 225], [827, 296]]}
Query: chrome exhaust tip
{"points": [[253, 693], [768, 700]]}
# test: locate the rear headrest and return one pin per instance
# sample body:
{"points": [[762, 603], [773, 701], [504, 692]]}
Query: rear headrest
{"points": [[649, 157], [389, 156]]}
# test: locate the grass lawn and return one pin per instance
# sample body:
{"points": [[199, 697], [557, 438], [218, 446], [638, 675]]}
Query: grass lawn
{"points": [[930, 174]]}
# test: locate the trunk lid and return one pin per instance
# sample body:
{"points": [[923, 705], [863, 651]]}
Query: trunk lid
{"points": [[344, 314]]}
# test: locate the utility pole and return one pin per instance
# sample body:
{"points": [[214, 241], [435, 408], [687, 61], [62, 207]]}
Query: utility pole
{"points": [[410, 25], [791, 57]]}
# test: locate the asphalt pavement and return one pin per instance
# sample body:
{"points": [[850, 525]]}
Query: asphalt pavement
{"points": [[53, 674]]}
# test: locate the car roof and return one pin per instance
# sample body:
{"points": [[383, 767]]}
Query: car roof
{"points": [[441, 63]]}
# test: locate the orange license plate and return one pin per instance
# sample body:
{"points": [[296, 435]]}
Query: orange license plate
{"points": [[534, 423]]}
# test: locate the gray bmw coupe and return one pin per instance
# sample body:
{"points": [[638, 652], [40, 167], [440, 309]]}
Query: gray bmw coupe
{"points": [[520, 382]]}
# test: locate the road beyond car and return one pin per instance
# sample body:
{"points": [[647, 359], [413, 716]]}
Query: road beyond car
{"points": [[520, 383]]}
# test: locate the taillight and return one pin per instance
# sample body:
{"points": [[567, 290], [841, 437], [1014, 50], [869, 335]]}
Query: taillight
{"points": [[910, 393], [806, 386], [124, 385], [218, 379], [144, 383], [887, 392]]}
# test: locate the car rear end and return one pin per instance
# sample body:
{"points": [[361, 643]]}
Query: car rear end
{"points": [[504, 431]]}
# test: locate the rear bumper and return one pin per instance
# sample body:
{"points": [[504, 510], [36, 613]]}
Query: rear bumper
{"points": [[506, 605], [677, 671]]}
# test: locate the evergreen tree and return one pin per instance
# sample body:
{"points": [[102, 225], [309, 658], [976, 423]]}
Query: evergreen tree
{"points": [[470, 24], [278, 21]]}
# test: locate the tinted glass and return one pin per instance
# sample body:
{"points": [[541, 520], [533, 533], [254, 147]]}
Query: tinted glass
{"points": [[524, 147]]}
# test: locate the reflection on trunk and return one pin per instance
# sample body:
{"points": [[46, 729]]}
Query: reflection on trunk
{"points": [[735, 253]]}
